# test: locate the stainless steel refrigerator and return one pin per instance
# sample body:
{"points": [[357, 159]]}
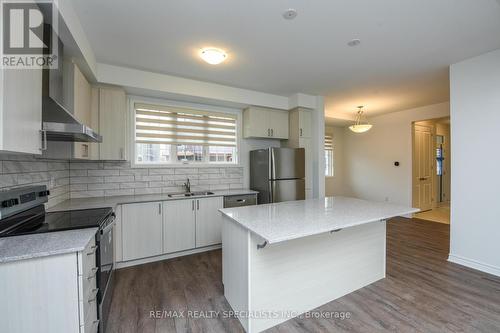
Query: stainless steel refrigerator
{"points": [[278, 174]]}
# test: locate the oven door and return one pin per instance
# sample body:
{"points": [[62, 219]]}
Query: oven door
{"points": [[106, 267]]}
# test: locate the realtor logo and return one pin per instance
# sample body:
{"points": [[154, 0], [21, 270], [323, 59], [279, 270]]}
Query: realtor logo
{"points": [[29, 30]]}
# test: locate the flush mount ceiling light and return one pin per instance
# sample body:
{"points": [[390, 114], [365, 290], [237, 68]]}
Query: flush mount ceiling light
{"points": [[212, 55], [290, 14], [360, 126], [354, 42]]}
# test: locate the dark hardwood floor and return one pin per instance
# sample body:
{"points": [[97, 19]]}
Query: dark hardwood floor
{"points": [[421, 293]]}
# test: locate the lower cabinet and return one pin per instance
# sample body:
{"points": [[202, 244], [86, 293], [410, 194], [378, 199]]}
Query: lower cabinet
{"points": [[56, 293], [142, 230], [179, 220], [208, 221], [155, 228]]}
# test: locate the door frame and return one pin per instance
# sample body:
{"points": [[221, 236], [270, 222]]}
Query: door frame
{"points": [[432, 126]]}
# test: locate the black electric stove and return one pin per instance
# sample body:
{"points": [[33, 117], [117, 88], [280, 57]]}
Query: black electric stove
{"points": [[22, 212], [36, 220]]}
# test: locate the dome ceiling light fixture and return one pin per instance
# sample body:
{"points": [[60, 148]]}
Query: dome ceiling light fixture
{"points": [[212, 55], [290, 14], [359, 125]]}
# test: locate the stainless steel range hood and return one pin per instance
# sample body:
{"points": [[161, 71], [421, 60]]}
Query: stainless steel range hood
{"points": [[58, 123]]}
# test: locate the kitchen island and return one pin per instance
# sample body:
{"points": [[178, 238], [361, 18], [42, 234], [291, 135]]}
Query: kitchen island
{"points": [[284, 259]]}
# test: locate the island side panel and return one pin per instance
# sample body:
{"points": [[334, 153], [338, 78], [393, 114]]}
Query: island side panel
{"points": [[235, 266], [302, 274]]}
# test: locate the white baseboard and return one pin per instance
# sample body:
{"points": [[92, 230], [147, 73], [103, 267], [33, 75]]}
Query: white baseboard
{"points": [[130, 263], [490, 269]]}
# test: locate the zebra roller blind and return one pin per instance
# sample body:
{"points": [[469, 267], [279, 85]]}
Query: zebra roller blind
{"points": [[182, 126]]}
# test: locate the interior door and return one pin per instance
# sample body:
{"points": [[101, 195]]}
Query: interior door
{"points": [[178, 225], [422, 167], [208, 221]]}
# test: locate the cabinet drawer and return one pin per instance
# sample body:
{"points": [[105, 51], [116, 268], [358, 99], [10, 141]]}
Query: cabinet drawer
{"points": [[89, 287], [87, 260], [240, 200], [91, 323], [88, 299]]}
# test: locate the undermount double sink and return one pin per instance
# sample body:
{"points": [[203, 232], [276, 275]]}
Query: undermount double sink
{"points": [[190, 194]]}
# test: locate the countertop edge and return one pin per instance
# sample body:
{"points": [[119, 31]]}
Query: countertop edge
{"points": [[319, 231], [25, 249], [113, 201]]}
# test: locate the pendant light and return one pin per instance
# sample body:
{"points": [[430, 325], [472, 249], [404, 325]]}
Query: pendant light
{"points": [[360, 126]]}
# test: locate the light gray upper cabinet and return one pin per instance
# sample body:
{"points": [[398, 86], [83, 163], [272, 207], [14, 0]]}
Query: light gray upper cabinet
{"points": [[21, 111], [112, 109], [77, 93], [267, 123]]}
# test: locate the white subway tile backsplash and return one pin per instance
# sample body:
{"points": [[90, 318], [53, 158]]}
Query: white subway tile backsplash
{"points": [[103, 172], [26, 170], [186, 171], [85, 165], [87, 194], [133, 185], [23, 166], [103, 186], [209, 170], [162, 171], [111, 193], [78, 187], [8, 180], [147, 190], [78, 173], [80, 179], [119, 178], [86, 180]]}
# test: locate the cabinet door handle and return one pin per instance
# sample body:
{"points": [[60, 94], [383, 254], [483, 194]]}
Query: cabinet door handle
{"points": [[301, 132], [268, 132], [197, 204], [121, 154], [192, 205], [159, 208], [93, 249], [272, 132], [93, 272]]}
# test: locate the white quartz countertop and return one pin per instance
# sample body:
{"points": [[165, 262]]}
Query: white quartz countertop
{"points": [[45, 244], [285, 221], [101, 202]]}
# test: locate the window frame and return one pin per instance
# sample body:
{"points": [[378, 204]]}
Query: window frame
{"points": [[179, 164], [331, 169]]}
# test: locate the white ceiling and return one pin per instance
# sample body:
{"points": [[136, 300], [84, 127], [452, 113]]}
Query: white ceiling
{"points": [[402, 62]]}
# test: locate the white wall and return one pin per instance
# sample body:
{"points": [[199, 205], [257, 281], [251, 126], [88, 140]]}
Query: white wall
{"points": [[475, 132], [369, 171], [335, 185]]}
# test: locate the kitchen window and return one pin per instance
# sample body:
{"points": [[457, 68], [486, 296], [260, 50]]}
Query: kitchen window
{"points": [[177, 135], [329, 168]]}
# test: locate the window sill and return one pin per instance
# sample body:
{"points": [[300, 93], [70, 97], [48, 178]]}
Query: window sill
{"points": [[189, 165]]}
